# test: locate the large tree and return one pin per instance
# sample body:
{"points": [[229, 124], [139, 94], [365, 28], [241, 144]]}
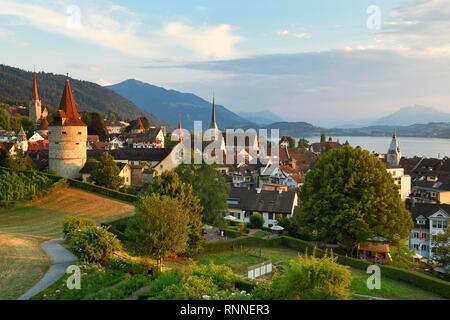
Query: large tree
{"points": [[210, 186], [349, 197], [106, 172], [97, 126], [441, 248], [159, 228], [169, 184]]}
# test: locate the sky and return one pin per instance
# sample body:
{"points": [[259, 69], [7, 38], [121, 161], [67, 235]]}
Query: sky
{"points": [[327, 62]]}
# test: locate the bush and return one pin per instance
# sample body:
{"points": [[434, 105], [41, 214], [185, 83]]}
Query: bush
{"points": [[94, 244], [72, 224], [256, 221], [143, 266], [311, 278]]}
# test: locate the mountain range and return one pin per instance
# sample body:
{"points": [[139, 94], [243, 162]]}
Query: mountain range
{"points": [[261, 117], [169, 104], [412, 115], [16, 86]]}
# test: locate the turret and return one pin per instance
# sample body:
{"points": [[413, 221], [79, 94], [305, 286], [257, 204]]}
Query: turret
{"points": [[67, 135]]}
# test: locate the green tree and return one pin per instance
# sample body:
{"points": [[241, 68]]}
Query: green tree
{"points": [[19, 161], [303, 143], [210, 186], [349, 197], [311, 278], [145, 122], [97, 126], [86, 117], [169, 184], [106, 173], [159, 228], [256, 221], [441, 248], [289, 140], [323, 138]]}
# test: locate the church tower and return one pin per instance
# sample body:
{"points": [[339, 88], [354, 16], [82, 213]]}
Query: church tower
{"points": [[213, 117], [22, 140], [67, 135], [35, 108], [394, 154]]}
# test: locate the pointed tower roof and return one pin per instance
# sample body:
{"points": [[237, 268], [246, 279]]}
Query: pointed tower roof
{"points": [[35, 94], [21, 136], [180, 131], [213, 118], [68, 108], [394, 147]]}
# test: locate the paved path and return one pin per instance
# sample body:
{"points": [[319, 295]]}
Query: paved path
{"points": [[61, 258]]}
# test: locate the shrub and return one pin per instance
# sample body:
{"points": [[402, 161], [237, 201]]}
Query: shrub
{"points": [[72, 224], [256, 221], [144, 266], [311, 278], [94, 244]]}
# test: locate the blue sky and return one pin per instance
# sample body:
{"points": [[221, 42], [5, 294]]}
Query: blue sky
{"points": [[314, 61]]}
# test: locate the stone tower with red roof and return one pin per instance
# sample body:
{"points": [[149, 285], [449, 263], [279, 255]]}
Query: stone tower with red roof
{"points": [[35, 108], [67, 135]]}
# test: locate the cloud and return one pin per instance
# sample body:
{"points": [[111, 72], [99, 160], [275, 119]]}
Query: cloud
{"points": [[298, 35], [116, 27], [11, 37], [419, 28], [208, 42]]}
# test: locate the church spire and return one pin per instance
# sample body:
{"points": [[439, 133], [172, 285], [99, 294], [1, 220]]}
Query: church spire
{"points": [[35, 94], [213, 118], [180, 131]]}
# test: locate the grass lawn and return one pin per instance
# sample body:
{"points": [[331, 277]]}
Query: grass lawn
{"points": [[390, 289], [239, 261], [25, 227]]}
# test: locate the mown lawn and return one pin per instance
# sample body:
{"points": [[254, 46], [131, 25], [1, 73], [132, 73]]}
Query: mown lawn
{"points": [[239, 261], [390, 289], [25, 227]]}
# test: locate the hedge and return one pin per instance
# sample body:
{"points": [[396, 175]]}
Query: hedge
{"points": [[102, 191], [419, 280]]}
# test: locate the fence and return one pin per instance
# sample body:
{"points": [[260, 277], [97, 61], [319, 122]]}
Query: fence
{"points": [[259, 270]]}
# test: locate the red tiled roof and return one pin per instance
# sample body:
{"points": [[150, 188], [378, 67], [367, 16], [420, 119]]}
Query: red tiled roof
{"points": [[38, 146], [93, 138]]}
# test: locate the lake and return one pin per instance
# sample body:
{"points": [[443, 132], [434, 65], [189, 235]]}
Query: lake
{"points": [[410, 147]]}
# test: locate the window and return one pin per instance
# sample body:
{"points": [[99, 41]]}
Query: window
{"points": [[421, 221], [64, 132], [270, 216]]}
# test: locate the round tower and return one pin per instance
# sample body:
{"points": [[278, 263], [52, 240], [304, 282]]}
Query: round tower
{"points": [[67, 136]]}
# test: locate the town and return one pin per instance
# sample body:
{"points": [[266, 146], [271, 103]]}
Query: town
{"points": [[242, 203]]}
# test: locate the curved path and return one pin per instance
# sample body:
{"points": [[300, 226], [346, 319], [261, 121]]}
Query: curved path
{"points": [[61, 258]]}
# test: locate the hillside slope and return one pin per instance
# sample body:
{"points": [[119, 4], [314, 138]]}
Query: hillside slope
{"points": [[16, 84], [168, 104]]}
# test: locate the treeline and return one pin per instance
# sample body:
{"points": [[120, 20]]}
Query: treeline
{"points": [[16, 186]]}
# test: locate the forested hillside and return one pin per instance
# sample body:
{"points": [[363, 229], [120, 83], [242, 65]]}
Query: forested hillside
{"points": [[16, 86]]}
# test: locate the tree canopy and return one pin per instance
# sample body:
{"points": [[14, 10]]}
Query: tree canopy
{"points": [[159, 228], [170, 184], [349, 197], [210, 186], [97, 126], [106, 173]]}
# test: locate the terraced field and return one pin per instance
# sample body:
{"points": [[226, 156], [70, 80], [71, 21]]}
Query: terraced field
{"points": [[25, 227]]}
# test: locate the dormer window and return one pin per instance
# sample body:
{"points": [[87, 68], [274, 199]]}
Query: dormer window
{"points": [[421, 221]]}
